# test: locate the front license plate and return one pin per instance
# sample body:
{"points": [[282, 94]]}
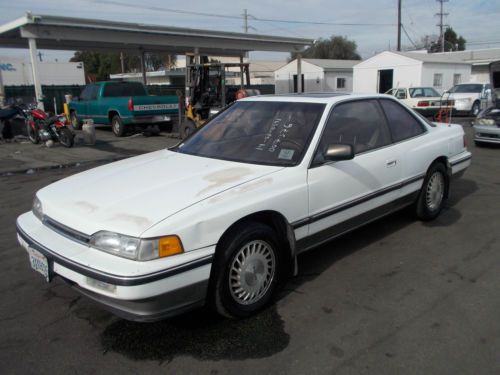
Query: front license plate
{"points": [[39, 263]]}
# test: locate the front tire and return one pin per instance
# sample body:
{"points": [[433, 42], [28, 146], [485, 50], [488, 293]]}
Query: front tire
{"points": [[475, 109], [247, 271], [117, 126], [433, 194], [33, 135]]}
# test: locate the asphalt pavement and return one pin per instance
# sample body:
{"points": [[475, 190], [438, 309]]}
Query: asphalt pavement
{"points": [[395, 297]]}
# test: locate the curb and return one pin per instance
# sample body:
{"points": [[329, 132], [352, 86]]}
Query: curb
{"points": [[61, 166]]}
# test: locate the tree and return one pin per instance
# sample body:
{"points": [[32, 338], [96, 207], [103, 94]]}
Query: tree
{"points": [[336, 47], [101, 65], [453, 42]]}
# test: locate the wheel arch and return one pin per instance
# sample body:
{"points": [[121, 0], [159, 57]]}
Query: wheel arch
{"points": [[279, 224], [112, 113]]}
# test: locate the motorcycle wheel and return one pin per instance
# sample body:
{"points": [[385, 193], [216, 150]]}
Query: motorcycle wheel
{"points": [[66, 137], [33, 135]]}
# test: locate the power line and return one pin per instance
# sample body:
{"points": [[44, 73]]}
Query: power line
{"points": [[411, 41], [234, 16]]}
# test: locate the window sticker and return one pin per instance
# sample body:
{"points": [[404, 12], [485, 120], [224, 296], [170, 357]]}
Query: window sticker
{"points": [[286, 154]]}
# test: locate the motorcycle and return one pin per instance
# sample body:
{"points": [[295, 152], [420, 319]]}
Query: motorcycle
{"points": [[6, 115], [41, 127]]}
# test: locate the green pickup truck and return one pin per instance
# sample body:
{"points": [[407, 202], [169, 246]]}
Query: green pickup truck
{"points": [[122, 104]]}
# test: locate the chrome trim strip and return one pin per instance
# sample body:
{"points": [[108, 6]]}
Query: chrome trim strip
{"points": [[111, 278], [344, 206]]}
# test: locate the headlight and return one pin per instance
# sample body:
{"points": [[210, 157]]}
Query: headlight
{"points": [[37, 208], [136, 248], [485, 121]]}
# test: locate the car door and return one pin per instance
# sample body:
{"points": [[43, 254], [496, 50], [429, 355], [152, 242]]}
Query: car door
{"points": [[93, 104], [415, 149], [345, 194]]}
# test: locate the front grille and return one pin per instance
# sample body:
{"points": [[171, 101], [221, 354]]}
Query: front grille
{"points": [[486, 135], [65, 231]]}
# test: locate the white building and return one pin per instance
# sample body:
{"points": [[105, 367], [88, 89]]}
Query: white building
{"points": [[480, 60], [318, 75], [389, 69], [17, 72]]}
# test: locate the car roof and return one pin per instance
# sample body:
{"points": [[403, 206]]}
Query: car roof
{"points": [[315, 97]]}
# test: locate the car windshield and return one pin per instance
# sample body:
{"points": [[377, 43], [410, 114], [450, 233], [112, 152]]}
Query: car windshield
{"points": [[257, 132], [423, 92], [466, 88]]}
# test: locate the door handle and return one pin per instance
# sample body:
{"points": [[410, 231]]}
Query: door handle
{"points": [[391, 163]]}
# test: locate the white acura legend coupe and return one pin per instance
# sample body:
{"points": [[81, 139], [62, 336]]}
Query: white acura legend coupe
{"points": [[220, 218]]}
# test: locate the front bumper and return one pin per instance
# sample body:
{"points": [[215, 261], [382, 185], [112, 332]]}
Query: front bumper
{"points": [[137, 292], [463, 106], [487, 134]]}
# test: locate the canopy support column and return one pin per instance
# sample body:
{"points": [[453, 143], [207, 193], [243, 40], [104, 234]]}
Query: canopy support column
{"points": [[143, 68], [299, 73], [242, 81], [36, 74]]}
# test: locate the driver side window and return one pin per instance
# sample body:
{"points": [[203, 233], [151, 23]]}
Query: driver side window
{"points": [[358, 123]]}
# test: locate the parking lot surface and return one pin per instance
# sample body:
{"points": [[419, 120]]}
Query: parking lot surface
{"points": [[395, 297]]}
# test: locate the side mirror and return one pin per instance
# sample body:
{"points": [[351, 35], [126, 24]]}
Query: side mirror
{"points": [[337, 152]]}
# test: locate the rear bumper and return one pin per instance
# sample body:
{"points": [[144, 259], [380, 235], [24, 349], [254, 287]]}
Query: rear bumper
{"points": [[141, 297], [154, 119]]}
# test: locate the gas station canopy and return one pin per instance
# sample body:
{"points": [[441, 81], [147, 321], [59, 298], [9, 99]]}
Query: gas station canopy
{"points": [[66, 33], [77, 34]]}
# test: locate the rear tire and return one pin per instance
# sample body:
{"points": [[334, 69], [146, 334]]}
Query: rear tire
{"points": [[66, 137], [187, 128], [75, 123], [246, 271], [433, 194], [117, 126]]}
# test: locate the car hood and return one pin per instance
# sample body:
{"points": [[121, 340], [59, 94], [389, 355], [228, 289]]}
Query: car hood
{"points": [[131, 195]]}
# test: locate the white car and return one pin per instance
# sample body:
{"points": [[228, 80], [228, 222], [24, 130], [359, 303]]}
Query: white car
{"points": [[425, 100], [221, 217], [470, 98]]}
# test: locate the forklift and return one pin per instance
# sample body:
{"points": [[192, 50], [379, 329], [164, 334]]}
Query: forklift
{"points": [[207, 93]]}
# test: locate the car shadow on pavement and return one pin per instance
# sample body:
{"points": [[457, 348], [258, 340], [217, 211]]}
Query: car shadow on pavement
{"points": [[460, 189], [206, 336], [200, 334]]}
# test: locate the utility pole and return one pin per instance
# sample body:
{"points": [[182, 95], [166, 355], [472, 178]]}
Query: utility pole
{"points": [[399, 25], [441, 25]]}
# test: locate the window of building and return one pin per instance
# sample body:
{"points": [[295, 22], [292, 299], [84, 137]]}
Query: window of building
{"points": [[438, 80], [340, 83], [457, 78]]}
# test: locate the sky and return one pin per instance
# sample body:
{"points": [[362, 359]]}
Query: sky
{"points": [[475, 20]]}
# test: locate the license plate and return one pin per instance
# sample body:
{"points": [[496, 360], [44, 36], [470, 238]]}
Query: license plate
{"points": [[39, 263]]}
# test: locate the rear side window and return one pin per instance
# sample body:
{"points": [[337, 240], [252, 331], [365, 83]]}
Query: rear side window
{"points": [[124, 89], [401, 122]]}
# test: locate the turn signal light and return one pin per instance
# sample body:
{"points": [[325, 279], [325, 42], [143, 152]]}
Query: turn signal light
{"points": [[169, 245]]}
